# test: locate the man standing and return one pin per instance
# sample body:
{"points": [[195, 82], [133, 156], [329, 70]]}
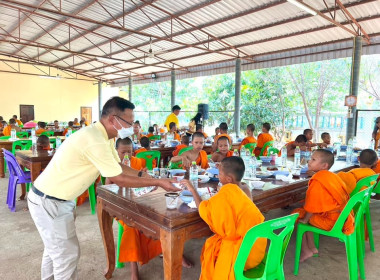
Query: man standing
{"points": [[173, 117], [74, 167]]}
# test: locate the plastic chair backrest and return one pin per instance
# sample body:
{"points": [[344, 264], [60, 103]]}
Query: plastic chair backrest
{"points": [[184, 150], [4, 137], [267, 144], [277, 248], [272, 151], [250, 146], [356, 202], [53, 142], [22, 134], [376, 188], [21, 145], [365, 182], [13, 166], [149, 156], [155, 137], [48, 133]]}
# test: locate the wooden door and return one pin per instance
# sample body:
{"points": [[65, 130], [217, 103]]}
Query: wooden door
{"points": [[86, 112], [26, 113]]}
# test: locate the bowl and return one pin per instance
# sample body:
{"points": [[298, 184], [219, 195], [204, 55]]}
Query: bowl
{"points": [[177, 171], [203, 179], [186, 196], [265, 158], [213, 171]]}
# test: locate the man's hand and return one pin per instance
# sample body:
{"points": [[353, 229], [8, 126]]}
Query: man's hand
{"points": [[145, 175], [167, 185], [186, 162]]}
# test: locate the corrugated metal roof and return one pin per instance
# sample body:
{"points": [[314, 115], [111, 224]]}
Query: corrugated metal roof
{"points": [[187, 34]]}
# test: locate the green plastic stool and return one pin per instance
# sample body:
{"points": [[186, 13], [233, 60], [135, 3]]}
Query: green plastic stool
{"points": [[272, 266], [149, 156], [251, 147], [119, 236], [22, 134], [155, 137], [359, 202], [48, 133], [266, 145]]}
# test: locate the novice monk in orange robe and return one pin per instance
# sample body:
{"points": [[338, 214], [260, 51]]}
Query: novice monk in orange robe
{"points": [[300, 142], [262, 139], [173, 131], [185, 140], [325, 198], [12, 125], [145, 146], [250, 138], [196, 154], [368, 160], [230, 214], [223, 131], [224, 150], [199, 128], [42, 128]]}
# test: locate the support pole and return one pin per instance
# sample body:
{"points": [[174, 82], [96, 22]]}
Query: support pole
{"points": [[100, 92], [130, 89], [172, 88], [237, 96], [354, 84]]}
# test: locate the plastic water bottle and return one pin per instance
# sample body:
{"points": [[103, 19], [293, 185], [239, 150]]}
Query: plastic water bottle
{"points": [[242, 152], [252, 167], [13, 134], [194, 174], [58, 142], [354, 142], [69, 132], [126, 161], [372, 144], [34, 143], [297, 157], [349, 152], [83, 125], [284, 156], [33, 132], [236, 153]]}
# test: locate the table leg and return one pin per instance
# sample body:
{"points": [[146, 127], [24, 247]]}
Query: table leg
{"points": [[172, 244], [105, 224], [35, 170], [2, 175]]}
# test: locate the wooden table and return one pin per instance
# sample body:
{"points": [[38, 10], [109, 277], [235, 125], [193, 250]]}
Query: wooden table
{"points": [[35, 163], [173, 228]]}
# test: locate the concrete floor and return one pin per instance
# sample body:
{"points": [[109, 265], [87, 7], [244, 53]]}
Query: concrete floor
{"points": [[21, 249]]}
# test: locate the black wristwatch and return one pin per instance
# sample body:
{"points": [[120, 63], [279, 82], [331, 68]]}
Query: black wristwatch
{"points": [[140, 173]]}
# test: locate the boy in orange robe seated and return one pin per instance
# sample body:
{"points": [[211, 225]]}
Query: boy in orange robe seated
{"points": [[173, 131], [229, 221], [250, 138], [145, 146], [224, 150], [199, 128], [185, 140], [325, 198], [67, 129], [12, 125], [309, 136], [17, 121], [262, 139], [300, 142], [150, 131], [326, 139], [368, 160], [223, 131], [196, 154], [41, 128]]}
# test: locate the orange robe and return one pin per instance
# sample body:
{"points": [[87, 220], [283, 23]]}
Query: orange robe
{"points": [[229, 221], [149, 135], [220, 135], [140, 150], [205, 135], [76, 124], [40, 130], [353, 176], [325, 198], [137, 163], [179, 148], [261, 140], [247, 140], [7, 130], [136, 246], [19, 122], [377, 138], [177, 137], [202, 160], [377, 168]]}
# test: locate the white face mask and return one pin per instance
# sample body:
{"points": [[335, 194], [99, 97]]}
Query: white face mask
{"points": [[124, 132]]}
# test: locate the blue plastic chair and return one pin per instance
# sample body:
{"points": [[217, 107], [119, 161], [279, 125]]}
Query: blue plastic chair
{"points": [[16, 176]]}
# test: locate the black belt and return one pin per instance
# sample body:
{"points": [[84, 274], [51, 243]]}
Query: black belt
{"points": [[39, 193]]}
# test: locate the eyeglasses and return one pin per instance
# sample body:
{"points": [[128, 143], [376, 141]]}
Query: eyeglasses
{"points": [[130, 124]]}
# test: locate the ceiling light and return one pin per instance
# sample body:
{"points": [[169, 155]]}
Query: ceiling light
{"points": [[58, 77], [109, 60], [303, 7]]}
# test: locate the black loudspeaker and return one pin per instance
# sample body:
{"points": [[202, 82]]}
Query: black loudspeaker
{"points": [[203, 109]]}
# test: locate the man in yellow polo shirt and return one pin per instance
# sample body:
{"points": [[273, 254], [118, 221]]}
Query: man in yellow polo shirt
{"points": [[74, 167], [173, 117]]}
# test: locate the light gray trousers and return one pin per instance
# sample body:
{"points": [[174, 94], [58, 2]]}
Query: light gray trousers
{"points": [[55, 223]]}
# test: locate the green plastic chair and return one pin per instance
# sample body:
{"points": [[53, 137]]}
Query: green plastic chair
{"points": [[53, 142], [266, 145], [22, 134], [251, 147], [91, 198], [359, 202], [119, 236], [177, 165], [21, 125], [155, 137], [48, 133], [4, 137], [366, 182], [185, 150], [21, 145], [273, 150], [149, 156], [272, 265]]}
